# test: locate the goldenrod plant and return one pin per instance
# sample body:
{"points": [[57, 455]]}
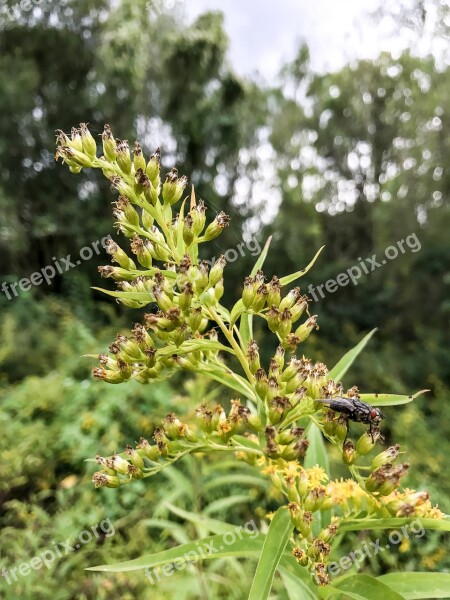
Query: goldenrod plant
{"points": [[274, 417]]}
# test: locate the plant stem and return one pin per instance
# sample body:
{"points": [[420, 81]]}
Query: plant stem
{"points": [[230, 338]]}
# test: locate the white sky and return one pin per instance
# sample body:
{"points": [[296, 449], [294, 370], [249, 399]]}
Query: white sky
{"points": [[266, 33]]}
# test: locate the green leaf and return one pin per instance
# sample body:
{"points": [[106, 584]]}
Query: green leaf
{"points": [[213, 525], [317, 455], [212, 546], [246, 322], [227, 502], [414, 586], [389, 399], [290, 278], [261, 258], [366, 587], [237, 309], [179, 231], [280, 530], [341, 368], [139, 296], [231, 380], [392, 523], [235, 478], [295, 587]]}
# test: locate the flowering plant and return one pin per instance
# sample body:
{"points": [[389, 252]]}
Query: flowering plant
{"points": [[275, 419]]}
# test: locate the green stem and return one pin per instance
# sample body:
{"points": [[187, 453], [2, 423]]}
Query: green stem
{"points": [[230, 338]]}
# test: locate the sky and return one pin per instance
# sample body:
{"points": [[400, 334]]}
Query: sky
{"points": [[266, 33]]}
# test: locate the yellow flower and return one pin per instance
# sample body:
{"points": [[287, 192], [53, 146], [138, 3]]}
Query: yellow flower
{"points": [[316, 475]]}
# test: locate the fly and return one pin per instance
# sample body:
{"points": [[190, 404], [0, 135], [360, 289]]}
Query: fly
{"points": [[355, 410]]}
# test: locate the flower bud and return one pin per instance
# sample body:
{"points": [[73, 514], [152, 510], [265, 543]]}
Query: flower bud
{"points": [[109, 144], [285, 325], [134, 457], [188, 234], [298, 308], [303, 331], [367, 441], [215, 228], [273, 319], [274, 292], [348, 453], [198, 214], [104, 480], [289, 300], [300, 556], [261, 383], [123, 156], [118, 255], [151, 452], [153, 167], [138, 159], [388, 456], [173, 187], [89, 145], [142, 251], [253, 356], [216, 273]]}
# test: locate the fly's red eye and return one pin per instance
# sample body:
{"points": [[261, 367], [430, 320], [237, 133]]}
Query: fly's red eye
{"points": [[373, 413]]}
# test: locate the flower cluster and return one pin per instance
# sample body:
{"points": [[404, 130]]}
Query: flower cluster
{"points": [[274, 405]]}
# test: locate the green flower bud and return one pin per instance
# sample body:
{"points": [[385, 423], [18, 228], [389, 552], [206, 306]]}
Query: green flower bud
{"points": [[153, 167], [261, 383], [138, 159], [285, 325], [134, 457], [105, 480], [253, 356], [142, 251], [151, 452], [298, 309], [216, 273], [348, 453], [388, 456], [366, 442], [119, 256], [260, 298], [198, 215], [215, 228], [123, 156], [219, 290], [173, 187], [289, 300], [300, 556], [274, 292], [273, 319], [89, 145], [75, 140], [305, 329], [188, 234], [109, 144]]}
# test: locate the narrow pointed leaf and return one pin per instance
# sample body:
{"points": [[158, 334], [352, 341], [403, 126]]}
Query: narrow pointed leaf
{"points": [[392, 523], [213, 546], [290, 278], [341, 368], [389, 399], [415, 586], [366, 587], [280, 530]]}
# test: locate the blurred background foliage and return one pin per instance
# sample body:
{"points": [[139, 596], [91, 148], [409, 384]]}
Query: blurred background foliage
{"points": [[354, 159]]}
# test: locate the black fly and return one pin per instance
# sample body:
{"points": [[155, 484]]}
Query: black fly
{"points": [[355, 410]]}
